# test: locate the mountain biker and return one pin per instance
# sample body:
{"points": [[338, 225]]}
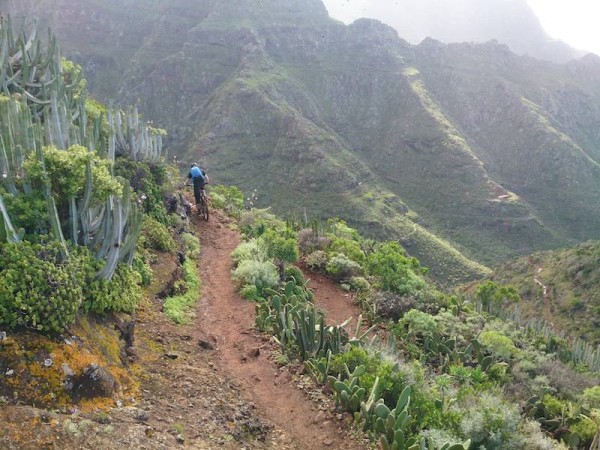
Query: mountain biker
{"points": [[199, 178]]}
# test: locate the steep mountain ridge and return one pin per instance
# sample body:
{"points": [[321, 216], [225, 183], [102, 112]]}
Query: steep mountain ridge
{"points": [[510, 22], [493, 152]]}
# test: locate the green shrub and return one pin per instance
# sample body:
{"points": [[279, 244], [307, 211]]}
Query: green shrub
{"points": [[179, 307], [121, 293], [439, 437], [489, 421], [262, 274], [156, 236], [347, 247], [282, 247], [251, 292], [29, 212], [492, 295], [317, 261], [340, 267], [254, 249], [553, 406], [395, 272], [359, 284], [591, 397], [39, 288], [340, 229], [296, 273], [66, 171], [531, 437], [144, 269], [255, 222], [418, 322], [499, 344], [191, 245], [586, 428], [228, 198]]}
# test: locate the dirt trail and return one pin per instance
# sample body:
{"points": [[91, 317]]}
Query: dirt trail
{"points": [[207, 385], [538, 282], [243, 353], [338, 305]]}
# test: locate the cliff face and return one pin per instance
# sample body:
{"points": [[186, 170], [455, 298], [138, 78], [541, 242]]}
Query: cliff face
{"points": [[463, 152]]}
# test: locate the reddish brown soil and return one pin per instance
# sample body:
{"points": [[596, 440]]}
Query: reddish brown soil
{"points": [[337, 305]]}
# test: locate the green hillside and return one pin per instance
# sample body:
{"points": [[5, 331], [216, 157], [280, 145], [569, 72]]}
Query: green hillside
{"points": [[467, 154], [560, 286]]}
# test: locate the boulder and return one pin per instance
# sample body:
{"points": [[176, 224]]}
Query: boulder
{"points": [[95, 381]]}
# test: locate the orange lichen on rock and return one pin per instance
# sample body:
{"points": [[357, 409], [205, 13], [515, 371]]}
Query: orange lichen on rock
{"points": [[37, 370]]}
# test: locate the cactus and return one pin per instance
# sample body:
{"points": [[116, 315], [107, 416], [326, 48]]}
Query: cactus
{"points": [[7, 231], [38, 90], [319, 368], [348, 393], [130, 136]]}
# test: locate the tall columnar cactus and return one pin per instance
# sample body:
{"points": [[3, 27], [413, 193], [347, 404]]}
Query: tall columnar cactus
{"points": [[122, 227], [20, 135], [51, 206], [29, 68], [132, 137], [43, 104], [7, 231]]}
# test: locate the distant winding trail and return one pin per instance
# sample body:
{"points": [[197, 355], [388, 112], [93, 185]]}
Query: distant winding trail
{"points": [[228, 319], [538, 282]]}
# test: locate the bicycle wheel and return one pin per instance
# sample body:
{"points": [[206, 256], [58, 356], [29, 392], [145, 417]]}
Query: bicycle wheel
{"points": [[204, 208]]}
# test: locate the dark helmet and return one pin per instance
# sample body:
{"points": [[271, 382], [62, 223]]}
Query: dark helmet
{"points": [[194, 165]]}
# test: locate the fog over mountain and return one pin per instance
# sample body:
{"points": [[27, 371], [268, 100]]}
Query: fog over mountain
{"points": [[510, 22]]}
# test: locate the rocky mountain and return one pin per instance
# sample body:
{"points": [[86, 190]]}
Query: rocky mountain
{"points": [[510, 22], [466, 153]]}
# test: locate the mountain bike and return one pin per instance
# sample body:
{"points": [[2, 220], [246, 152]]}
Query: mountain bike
{"points": [[202, 205]]}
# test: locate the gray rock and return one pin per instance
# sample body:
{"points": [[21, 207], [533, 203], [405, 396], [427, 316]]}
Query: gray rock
{"points": [[206, 345], [142, 415], [95, 381], [68, 376]]}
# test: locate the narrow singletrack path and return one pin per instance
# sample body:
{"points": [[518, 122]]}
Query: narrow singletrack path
{"points": [[227, 319]]}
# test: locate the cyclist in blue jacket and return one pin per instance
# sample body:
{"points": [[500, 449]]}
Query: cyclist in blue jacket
{"points": [[199, 179]]}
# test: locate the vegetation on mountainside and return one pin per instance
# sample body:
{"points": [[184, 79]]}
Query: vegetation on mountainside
{"points": [[448, 372], [76, 195], [463, 152], [559, 286]]}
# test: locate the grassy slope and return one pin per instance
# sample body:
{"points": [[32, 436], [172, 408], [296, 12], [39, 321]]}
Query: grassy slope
{"points": [[571, 277]]}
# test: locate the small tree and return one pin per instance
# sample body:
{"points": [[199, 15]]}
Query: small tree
{"points": [[282, 247], [395, 271], [492, 295]]}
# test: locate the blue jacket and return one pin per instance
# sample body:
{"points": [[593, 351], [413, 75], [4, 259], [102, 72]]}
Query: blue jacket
{"points": [[196, 172]]}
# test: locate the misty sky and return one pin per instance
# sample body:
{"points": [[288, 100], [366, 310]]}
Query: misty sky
{"points": [[573, 21]]}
